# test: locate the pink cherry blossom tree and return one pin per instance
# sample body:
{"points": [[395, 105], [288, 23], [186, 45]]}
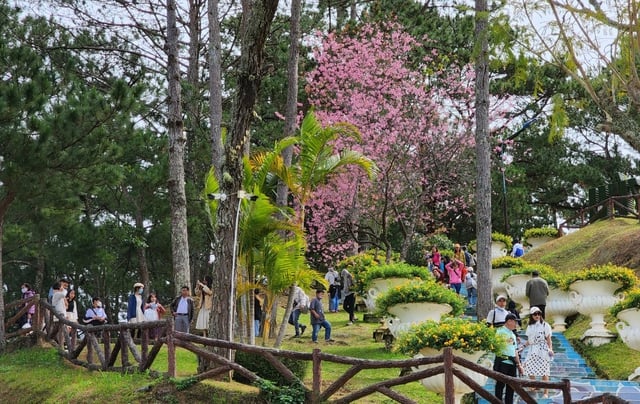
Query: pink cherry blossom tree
{"points": [[416, 119]]}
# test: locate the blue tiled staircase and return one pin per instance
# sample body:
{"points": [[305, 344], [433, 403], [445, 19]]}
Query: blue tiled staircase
{"points": [[568, 364]]}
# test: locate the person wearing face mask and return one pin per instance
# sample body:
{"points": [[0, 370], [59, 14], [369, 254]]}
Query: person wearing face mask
{"points": [[95, 315], [135, 305], [27, 293]]}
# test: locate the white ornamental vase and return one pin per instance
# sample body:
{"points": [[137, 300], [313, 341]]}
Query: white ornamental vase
{"points": [[379, 286], [593, 299], [498, 249], [497, 286], [436, 383], [536, 242], [516, 286], [407, 314], [629, 329], [559, 307]]}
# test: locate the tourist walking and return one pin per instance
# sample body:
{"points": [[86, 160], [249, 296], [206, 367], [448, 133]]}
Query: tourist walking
{"points": [[540, 354], [507, 362], [537, 291], [333, 278], [317, 318], [300, 303], [471, 284], [496, 317], [349, 295]]}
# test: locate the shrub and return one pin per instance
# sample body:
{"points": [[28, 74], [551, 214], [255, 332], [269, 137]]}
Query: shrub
{"points": [[397, 270], [457, 333], [260, 366], [631, 301], [502, 238], [541, 232], [417, 251], [358, 264], [415, 292], [621, 275], [507, 262], [290, 394], [549, 274]]}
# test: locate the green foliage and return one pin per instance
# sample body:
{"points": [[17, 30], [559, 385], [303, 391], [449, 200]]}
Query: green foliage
{"points": [[260, 366], [502, 238], [625, 277], [416, 292], [541, 232], [272, 393], [446, 253], [457, 333], [396, 270], [418, 250], [359, 264], [184, 383], [630, 301], [507, 262], [441, 241], [553, 277]]}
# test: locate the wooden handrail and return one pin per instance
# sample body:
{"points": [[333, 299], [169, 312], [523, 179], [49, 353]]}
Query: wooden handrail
{"points": [[611, 207], [446, 363]]}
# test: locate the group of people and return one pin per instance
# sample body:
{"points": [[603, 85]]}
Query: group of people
{"points": [[455, 271], [538, 332]]}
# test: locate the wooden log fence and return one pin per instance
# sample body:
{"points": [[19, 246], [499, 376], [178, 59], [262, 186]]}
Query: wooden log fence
{"points": [[105, 343]]}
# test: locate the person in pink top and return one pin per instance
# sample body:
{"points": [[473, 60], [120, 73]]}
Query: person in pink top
{"points": [[454, 269]]}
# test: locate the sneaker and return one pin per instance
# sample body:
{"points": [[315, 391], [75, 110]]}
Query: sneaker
{"points": [[329, 340], [315, 342], [302, 328], [350, 323], [296, 336]]}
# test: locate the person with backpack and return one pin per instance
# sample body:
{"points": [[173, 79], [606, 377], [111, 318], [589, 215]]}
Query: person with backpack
{"points": [[471, 284], [518, 249]]}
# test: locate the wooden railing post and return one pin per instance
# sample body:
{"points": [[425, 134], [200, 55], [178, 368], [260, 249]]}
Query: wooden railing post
{"points": [[171, 350], [317, 377], [449, 397]]}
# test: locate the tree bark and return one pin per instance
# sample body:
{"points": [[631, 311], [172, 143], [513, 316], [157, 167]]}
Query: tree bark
{"points": [[177, 142], [483, 160], [215, 88], [258, 16]]}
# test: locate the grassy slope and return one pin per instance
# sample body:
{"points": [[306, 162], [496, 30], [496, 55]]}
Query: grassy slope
{"points": [[614, 241], [39, 375]]}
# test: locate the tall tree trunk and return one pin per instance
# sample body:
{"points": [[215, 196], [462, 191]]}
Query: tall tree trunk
{"points": [[215, 88], [258, 16], [4, 207], [483, 161], [177, 142], [289, 130]]}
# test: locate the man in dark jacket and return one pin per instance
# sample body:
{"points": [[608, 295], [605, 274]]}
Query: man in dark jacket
{"points": [[537, 291], [182, 309]]}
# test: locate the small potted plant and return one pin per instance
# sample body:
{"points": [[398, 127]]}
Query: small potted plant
{"points": [[537, 236], [469, 339], [416, 302]]}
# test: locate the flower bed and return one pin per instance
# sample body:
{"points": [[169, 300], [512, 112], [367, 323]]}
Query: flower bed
{"points": [[625, 277], [508, 262], [541, 232], [457, 333], [415, 292], [397, 270], [549, 274]]}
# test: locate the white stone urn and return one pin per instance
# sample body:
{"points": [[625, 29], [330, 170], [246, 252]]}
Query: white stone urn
{"points": [[379, 286], [407, 314], [536, 242], [436, 383], [516, 286], [629, 329], [593, 298], [559, 307], [497, 286], [498, 249]]}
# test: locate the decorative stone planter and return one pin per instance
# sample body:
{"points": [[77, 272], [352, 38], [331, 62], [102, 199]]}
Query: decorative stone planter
{"points": [[536, 242], [629, 330], [381, 285], [436, 383], [593, 299], [559, 307], [516, 286], [497, 286], [498, 249], [407, 314]]}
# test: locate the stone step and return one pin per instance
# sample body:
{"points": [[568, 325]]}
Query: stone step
{"points": [[568, 364]]}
